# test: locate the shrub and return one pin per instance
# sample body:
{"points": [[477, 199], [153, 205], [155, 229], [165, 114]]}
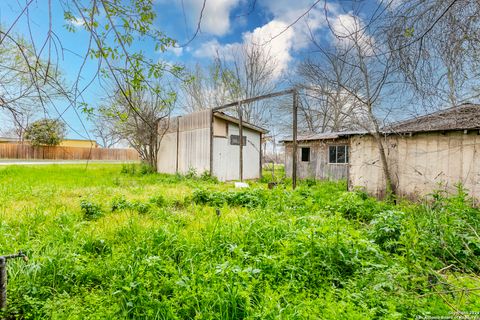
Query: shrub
{"points": [[141, 207], [119, 203], [97, 247], [129, 168], [207, 177], [158, 200], [91, 210], [352, 205], [146, 169], [386, 228], [249, 198]]}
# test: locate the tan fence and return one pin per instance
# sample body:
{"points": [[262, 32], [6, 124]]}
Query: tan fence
{"points": [[25, 151]]}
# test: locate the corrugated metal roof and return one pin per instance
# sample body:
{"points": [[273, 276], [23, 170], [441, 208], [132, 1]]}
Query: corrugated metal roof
{"points": [[324, 136], [463, 117]]}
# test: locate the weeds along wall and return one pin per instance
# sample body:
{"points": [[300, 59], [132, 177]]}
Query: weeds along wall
{"points": [[420, 163]]}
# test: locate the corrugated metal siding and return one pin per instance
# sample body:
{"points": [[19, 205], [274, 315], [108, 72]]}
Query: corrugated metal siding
{"points": [[193, 144], [194, 148], [226, 157]]}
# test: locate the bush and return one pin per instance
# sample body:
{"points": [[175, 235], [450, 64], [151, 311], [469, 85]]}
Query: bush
{"points": [[119, 204], [91, 210], [158, 200], [386, 228], [352, 205], [129, 168], [141, 207], [249, 198], [146, 169]]}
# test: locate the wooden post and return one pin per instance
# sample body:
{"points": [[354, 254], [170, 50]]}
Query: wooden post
{"points": [[261, 155], [3, 276], [178, 136], [240, 132], [294, 144], [3, 283]]}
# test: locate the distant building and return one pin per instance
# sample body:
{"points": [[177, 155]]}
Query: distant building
{"points": [[77, 143], [208, 141], [426, 153]]}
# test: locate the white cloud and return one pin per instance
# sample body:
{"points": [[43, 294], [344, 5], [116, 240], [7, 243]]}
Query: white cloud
{"points": [[213, 48], [350, 30], [178, 51], [77, 21], [278, 41], [215, 18]]}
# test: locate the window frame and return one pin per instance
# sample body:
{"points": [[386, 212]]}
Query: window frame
{"points": [[237, 136], [309, 154], [345, 150]]}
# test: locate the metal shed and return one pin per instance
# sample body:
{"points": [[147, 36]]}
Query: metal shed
{"points": [[210, 141]]}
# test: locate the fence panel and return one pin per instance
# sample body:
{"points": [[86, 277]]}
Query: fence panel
{"points": [[28, 152]]}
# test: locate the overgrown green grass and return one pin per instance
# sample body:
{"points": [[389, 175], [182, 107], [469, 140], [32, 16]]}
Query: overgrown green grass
{"points": [[113, 242]]}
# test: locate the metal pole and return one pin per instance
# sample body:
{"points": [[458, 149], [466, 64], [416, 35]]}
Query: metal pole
{"points": [[3, 283], [294, 145], [211, 141], [240, 133]]}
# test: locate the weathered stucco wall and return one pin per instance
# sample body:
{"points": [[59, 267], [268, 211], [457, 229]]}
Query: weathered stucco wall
{"points": [[420, 163], [226, 157], [318, 166]]}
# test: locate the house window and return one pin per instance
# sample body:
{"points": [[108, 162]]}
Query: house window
{"points": [[305, 154], [235, 140], [338, 154]]}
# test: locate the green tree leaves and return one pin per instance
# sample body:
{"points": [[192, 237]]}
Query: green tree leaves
{"points": [[47, 132]]}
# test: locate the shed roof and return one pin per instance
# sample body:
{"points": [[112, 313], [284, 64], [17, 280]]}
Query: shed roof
{"points": [[463, 117], [248, 125]]}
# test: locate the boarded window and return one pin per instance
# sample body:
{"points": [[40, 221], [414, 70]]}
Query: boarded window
{"points": [[338, 154], [306, 154], [235, 140]]}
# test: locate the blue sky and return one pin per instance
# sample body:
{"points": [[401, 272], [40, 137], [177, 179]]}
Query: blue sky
{"points": [[226, 24]]}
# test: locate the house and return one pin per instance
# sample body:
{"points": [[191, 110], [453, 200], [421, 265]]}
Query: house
{"points": [[210, 141], [78, 143], [435, 151], [9, 140]]}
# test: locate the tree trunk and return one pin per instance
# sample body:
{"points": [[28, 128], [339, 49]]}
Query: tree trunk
{"points": [[391, 189]]}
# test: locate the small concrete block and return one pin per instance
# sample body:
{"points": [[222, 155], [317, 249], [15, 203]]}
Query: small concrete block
{"points": [[241, 185]]}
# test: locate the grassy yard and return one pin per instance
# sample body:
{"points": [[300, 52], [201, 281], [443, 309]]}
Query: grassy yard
{"points": [[107, 244]]}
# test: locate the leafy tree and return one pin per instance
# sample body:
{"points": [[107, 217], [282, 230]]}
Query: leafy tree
{"points": [[47, 132]]}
